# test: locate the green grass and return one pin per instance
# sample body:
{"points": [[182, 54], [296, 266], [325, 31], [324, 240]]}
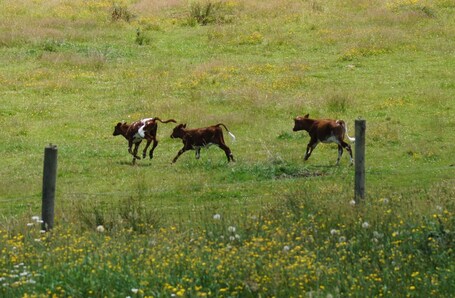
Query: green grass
{"points": [[69, 72]]}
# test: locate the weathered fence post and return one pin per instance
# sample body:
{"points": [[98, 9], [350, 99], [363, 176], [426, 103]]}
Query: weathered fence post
{"points": [[49, 178], [359, 188]]}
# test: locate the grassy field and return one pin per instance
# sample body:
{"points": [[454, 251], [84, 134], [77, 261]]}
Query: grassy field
{"points": [[267, 225]]}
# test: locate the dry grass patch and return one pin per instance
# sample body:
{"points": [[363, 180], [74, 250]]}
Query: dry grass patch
{"points": [[272, 9], [157, 7], [94, 60], [18, 32], [36, 31]]}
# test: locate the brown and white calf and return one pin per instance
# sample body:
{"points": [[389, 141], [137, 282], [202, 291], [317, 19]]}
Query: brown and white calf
{"points": [[325, 131], [195, 139], [138, 131]]}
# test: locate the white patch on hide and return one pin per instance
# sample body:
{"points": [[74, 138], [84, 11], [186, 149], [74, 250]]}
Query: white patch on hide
{"points": [[331, 139]]}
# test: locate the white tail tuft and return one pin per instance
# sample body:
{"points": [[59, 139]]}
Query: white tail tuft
{"points": [[231, 135], [343, 124]]}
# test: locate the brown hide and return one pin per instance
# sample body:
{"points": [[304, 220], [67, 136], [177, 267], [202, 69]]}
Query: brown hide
{"points": [[132, 133], [196, 138], [325, 131]]}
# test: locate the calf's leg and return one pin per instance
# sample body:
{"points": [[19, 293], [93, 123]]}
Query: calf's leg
{"points": [[144, 152], [181, 151], [198, 153], [136, 147], [348, 148], [227, 151], [340, 153], [310, 147], [155, 143], [130, 146]]}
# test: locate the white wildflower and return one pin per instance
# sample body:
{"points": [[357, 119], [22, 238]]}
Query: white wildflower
{"points": [[232, 238], [334, 232], [100, 229], [365, 225], [286, 248], [342, 239], [352, 203], [231, 229], [134, 290], [30, 224], [376, 234], [35, 218], [217, 216]]}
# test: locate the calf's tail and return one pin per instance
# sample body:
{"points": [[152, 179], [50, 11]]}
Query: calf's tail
{"points": [[345, 128], [165, 121], [230, 133]]}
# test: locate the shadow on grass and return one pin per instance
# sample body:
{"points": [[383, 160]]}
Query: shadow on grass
{"points": [[273, 170], [138, 163]]}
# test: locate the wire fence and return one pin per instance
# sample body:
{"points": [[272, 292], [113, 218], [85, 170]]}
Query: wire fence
{"points": [[194, 199]]}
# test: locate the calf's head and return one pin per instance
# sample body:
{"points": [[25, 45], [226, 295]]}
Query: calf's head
{"points": [[178, 131], [118, 129], [300, 122]]}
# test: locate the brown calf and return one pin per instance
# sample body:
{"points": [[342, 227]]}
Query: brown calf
{"points": [[195, 139], [325, 131], [137, 131]]}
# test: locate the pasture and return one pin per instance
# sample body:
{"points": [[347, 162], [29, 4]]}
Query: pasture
{"points": [[269, 224]]}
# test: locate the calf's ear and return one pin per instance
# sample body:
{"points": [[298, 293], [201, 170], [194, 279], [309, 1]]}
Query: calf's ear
{"points": [[184, 125], [306, 116]]}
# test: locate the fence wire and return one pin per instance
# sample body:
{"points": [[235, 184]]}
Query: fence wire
{"points": [[187, 197]]}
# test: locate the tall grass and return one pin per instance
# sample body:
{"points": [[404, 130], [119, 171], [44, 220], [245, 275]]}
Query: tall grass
{"points": [[300, 246]]}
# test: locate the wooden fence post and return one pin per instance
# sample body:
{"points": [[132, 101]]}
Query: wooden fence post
{"points": [[359, 188], [49, 179]]}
